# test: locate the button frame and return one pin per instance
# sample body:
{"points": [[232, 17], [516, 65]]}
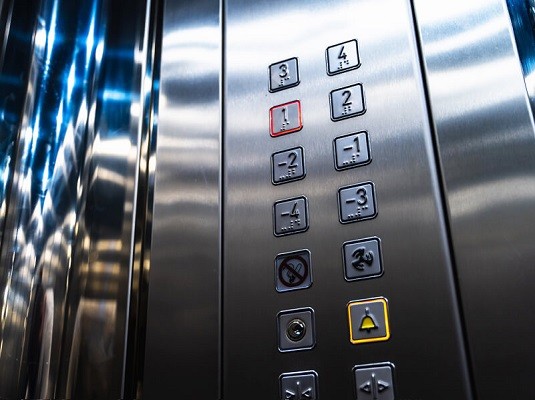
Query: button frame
{"points": [[355, 339], [290, 85], [280, 287], [339, 139], [306, 314], [357, 219], [296, 128], [297, 177], [363, 368], [299, 374], [342, 116], [306, 224], [378, 260], [342, 70]]}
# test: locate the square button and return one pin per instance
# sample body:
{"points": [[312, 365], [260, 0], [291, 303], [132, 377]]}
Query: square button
{"points": [[374, 381], [296, 330], [342, 57], [283, 75], [362, 259], [351, 150], [290, 216], [285, 118], [347, 102], [288, 165], [368, 321], [299, 386], [357, 202], [293, 271]]}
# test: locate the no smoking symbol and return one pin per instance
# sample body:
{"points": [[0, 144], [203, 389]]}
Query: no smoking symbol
{"points": [[293, 271]]}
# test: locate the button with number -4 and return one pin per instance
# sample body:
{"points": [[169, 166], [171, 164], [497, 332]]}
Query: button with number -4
{"points": [[357, 202], [342, 57]]}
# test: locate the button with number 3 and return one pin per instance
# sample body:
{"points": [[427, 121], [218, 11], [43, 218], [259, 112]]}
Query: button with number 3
{"points": [[283, 75], [342, 57], [357, 202]]}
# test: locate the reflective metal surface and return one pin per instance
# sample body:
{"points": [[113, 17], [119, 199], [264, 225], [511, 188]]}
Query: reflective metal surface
{"points": [[67, 253], [486, 139], [183, 330], [426, 344]]}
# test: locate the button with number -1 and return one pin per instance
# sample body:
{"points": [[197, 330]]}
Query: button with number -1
{"points": [[285, 118], [342, 57], [357, 202]]}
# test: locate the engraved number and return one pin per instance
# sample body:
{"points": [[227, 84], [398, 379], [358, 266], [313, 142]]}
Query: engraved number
{"points": [[284, 70], [363, 196], [285, 114], [342, 55], [295, 211], [292, 156], [347, 95], [357, 144]]}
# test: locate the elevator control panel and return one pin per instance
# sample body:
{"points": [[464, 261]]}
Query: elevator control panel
{"points": [[332, 229]]}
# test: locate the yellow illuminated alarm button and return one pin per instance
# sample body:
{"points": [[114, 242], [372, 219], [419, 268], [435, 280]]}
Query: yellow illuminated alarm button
{"points": [[368, 320]]}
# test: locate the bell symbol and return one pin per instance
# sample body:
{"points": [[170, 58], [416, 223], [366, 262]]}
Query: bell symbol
{"points": [[367, 323]]}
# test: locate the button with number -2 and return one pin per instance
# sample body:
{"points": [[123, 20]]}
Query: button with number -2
{"points": [[357, 202], [287, 166]]}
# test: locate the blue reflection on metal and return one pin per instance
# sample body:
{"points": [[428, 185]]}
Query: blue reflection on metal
{"points": [[522, 14]]}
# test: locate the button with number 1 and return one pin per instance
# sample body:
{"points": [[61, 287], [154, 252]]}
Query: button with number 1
{"points": [[285, 118], [342, 57]]}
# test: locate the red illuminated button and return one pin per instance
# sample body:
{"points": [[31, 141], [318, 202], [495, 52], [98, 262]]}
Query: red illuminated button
{"points": [[285, 118]]}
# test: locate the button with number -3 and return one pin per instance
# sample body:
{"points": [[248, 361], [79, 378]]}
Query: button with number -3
{"points": [[357, 202], [342, 57]]}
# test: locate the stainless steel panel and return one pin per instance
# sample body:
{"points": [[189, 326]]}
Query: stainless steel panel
{"points": [[487, 145], [426, 343], [66, 255], [182, 344]]}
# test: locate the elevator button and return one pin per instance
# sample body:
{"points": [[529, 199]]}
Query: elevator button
{"points": [[299, 386], [296, 330], [347, 102], [283, 75], [290, 216], [374, 381], [293, 271], [362, 259], [368, 320], [285, 118], [351, 150], [342, 57], [356, 202], [287, 166]]}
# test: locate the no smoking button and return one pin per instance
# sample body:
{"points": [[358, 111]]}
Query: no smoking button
{"points": [[293, 271]]}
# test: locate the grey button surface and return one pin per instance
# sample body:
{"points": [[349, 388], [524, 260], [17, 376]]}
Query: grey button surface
{"points": [[374, 382], [283, 74], [290, 216], [357, 202], [351, 150], [296, 330], [299, 386], [347, 102], [362, 259], [285, 118], [288, 165], [342, 57], [293, 271]]}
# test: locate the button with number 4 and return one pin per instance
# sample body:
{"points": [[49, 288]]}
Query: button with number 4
{"points": [[357, 202], [342, 57]]}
